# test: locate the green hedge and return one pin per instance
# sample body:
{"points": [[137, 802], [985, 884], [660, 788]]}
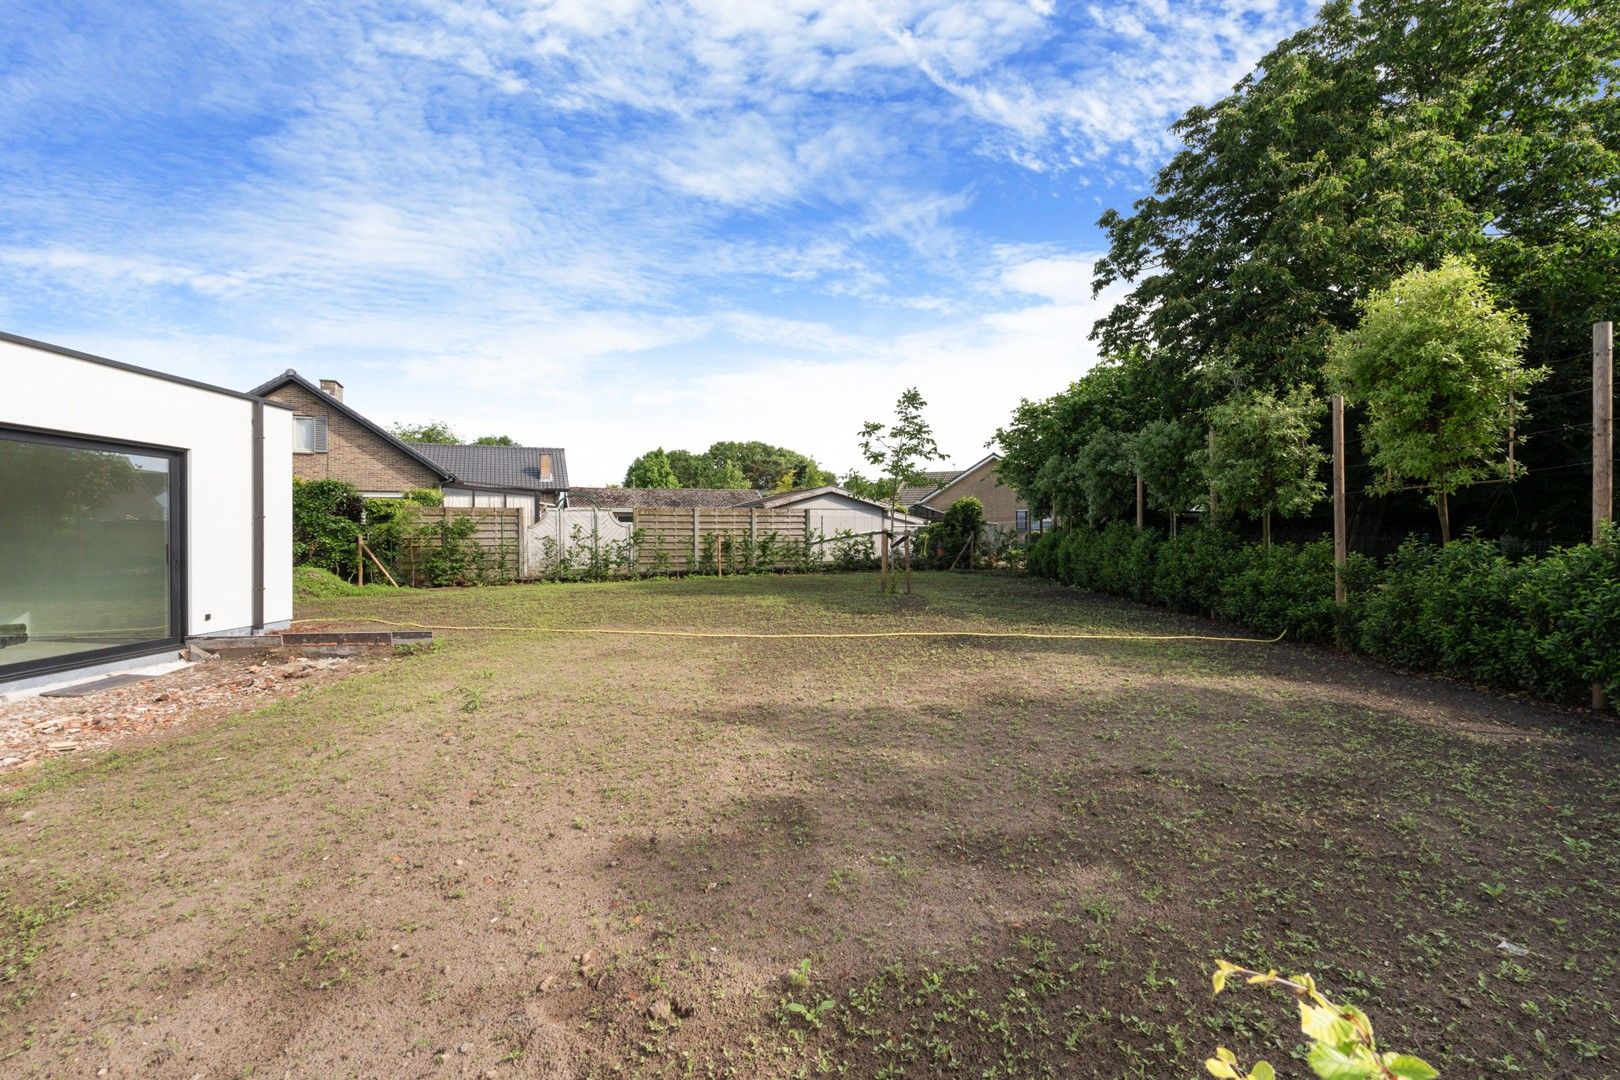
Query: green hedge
{"points": [[1549, 626], [328, 516]]}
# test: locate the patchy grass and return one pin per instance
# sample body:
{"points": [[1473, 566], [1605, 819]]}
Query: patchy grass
{"points": [[550, 855], [317, 583]]}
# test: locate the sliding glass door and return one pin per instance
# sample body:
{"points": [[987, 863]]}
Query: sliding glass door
{"points": [[90, 551]]}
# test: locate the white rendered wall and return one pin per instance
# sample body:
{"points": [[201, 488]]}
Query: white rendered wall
{"points": [[831, 513], [49, 391], [278, 551]]}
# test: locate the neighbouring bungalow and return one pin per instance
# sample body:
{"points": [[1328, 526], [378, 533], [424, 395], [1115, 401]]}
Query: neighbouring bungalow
{"points": [[528, 477], [1004, 510], [623, 502], [140, 509], [831, 509], [334, 441]]}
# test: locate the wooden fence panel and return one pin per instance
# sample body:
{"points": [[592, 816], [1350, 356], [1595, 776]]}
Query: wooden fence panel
{"points": [[675, 540], [498, 534]]}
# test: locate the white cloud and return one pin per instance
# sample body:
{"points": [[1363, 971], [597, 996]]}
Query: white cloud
{"points": [[600, 223]]}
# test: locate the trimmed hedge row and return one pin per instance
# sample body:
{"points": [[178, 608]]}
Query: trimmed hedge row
{"points": [[1549, 626]]}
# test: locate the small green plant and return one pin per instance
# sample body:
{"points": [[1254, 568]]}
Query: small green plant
{"points": [[810, 1014], [1341, 1037]]}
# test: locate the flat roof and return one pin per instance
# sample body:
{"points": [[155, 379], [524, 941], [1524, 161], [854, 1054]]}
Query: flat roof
{"points": [[18, 339]]}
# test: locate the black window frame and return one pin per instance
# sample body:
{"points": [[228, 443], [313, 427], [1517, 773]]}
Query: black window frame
{"points": [[178, 553]]}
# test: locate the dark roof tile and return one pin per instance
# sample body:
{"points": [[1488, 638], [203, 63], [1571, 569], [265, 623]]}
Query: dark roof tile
{"points": [[510, 468]]}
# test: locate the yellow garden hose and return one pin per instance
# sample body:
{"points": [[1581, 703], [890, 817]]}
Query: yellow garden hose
{"points": [[1028, 635]]}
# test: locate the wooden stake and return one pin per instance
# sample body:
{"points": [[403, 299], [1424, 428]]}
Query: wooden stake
{"points": [[1212, 503], [360, 560], [883, 566], [379, 563], [1513, 439], [1341, 532], [910, 539], [1141, 508], [1602, 427], [694, 567]]}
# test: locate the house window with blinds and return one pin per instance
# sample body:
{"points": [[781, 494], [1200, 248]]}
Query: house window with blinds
{"points": [[309, 434]]}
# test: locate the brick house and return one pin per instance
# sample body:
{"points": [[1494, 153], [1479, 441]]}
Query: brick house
{"points": [[331, 441], [1003, 508]]}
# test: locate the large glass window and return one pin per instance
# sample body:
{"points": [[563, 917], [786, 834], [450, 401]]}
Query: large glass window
{"points": [[87, 551]]}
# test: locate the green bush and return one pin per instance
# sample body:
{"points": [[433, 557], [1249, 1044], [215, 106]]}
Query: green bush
{"points": [[318, 583], [326, 523], [942, 543], [1546, 626], [330, 515]]}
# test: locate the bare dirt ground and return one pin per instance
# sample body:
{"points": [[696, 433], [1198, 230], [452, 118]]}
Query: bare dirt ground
{"points": [[530, 855], [35, 729]]}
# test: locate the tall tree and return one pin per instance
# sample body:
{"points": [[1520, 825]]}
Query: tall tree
{"points": [[1263, 461], [1167, 455], [651, 470], [434, 431], [495, 440], [1041, 446], [1383, 137], [742, 465], [1440, 368], [898, 449]]}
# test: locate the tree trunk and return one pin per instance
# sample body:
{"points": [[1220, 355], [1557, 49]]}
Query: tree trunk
{"points": [[1441, 505], [911, 538], [883, 560], [1265, 529]]}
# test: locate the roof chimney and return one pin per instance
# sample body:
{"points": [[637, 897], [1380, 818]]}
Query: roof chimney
{"points": [[333, 388], [545, 466]]}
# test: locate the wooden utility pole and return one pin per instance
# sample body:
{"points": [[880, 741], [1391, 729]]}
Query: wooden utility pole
{"points": [[1602, 448], [1141, 509], [1341, 534], [1602, 427]]}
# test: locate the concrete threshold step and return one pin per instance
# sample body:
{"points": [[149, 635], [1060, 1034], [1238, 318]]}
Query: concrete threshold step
{"points": [[309, 641], [95, 686]]}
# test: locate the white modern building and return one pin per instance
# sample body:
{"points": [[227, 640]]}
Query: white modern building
{"points": [[136, 509]]}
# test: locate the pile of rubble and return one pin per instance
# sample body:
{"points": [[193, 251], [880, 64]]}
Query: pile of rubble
{"points": [[35, 728]]}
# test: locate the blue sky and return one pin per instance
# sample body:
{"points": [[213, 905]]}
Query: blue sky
{"points": [[600, 224]]}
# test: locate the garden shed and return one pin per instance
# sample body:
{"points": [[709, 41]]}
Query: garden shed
{"points": [[139, 508]]}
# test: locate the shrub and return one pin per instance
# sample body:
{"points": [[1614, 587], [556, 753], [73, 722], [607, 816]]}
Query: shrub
{"points": [[1282, 589], [317, 583], [943, 542], [326, 522], [1546, 626]]}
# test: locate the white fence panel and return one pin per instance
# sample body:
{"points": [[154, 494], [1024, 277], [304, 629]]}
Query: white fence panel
{"points": [[573, 534]]}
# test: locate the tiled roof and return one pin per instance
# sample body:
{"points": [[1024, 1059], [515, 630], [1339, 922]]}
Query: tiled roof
{"points": [[620, 498], [912, 494], [413, 452], [510, 468]]}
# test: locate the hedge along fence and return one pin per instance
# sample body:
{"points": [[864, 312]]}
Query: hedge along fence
{"points": [[418, 541], [1548, 625], [461, 545]]}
